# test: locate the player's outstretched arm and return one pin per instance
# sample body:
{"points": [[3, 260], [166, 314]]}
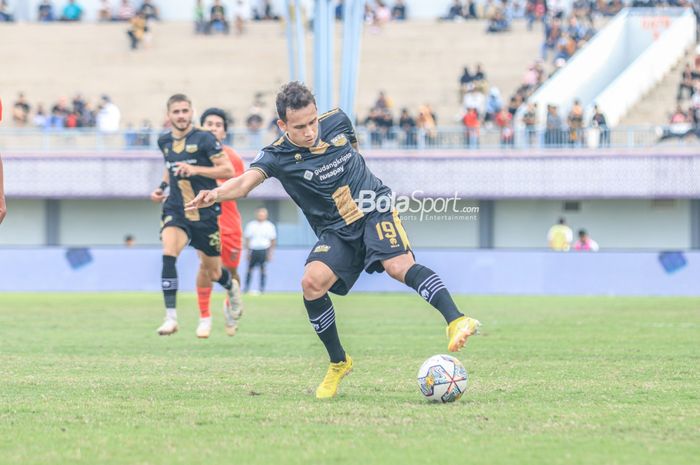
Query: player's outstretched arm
{"points": [[234, 188]]}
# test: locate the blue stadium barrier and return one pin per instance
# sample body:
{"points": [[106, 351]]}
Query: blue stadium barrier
{"points": [[515, 272]]}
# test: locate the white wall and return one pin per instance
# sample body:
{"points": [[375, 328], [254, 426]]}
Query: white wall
{"points": [[24, 224], [614, 224]]}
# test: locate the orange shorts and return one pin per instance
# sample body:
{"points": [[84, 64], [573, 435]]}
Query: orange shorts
{"points": [[230, 250]]}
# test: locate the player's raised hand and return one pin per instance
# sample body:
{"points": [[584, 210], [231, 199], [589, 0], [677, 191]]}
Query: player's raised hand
{"points": [[203, 199]]}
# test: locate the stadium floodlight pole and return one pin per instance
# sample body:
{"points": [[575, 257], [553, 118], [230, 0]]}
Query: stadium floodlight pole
{"points": [[323, 54], [301, 46], [290, 39], [353, 17]]}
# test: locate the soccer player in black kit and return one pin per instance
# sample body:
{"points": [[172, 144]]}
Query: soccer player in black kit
{"points": [[194, 160], [318, 164]]}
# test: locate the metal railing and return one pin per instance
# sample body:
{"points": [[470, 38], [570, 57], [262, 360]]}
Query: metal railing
{"points": [[17, 140]]}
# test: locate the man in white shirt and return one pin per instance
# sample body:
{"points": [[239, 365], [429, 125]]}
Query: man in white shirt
{"points": [[108, 116], [260, 236]]}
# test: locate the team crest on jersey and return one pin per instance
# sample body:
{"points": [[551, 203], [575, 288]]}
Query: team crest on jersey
{"points": [[308, 175], [339, 140], [322, 248], [166, 150], [297, 157], [191, 148]]}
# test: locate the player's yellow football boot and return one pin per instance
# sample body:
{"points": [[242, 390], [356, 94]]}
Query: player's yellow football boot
{"points": [[459, 330], [335, 374]]}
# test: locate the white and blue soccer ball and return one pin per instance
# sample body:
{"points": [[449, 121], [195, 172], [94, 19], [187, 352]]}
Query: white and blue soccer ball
{"points": [[442, 378]]}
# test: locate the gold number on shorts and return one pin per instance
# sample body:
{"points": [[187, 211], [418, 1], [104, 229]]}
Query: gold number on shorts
{"points": [[386, 229]]}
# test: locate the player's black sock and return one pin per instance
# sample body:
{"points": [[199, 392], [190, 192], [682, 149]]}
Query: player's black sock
{"points": [[429, 286], [169, 281], [225, 279], [322, 318]]}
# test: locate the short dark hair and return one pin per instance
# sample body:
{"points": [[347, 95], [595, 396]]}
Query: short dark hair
{"points": [[178, 98], [562, 220], [293, 95], [214, 112]]}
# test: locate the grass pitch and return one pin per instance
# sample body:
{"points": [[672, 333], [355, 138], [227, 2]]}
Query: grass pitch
{"points": [[84, 379]]}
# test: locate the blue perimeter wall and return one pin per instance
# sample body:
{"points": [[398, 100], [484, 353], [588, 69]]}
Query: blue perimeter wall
{"points": [[464, 271]]}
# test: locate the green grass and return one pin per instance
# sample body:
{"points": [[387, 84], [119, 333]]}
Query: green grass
{"points": [[84, 379]]}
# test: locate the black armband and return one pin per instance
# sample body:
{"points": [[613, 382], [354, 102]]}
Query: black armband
{"points": [[163, 185]]}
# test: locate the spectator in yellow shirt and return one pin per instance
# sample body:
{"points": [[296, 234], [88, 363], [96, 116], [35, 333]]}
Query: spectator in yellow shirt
{"points": [[560, 236]]}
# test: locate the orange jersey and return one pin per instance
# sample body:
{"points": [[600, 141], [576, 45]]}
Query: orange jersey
{"points": [[230, 218]]}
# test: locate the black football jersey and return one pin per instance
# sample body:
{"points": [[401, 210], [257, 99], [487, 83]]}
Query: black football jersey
{"points": [[324, 180], [198, 147]]}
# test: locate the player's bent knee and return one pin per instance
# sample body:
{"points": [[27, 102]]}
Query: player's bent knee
{"points": [[398, 266], [313, 287]]}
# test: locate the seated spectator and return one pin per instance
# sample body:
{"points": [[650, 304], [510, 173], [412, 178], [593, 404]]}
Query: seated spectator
{"points": [[534, 11], [241, 15], [514, 103], [382, 14], [5, 12], [125, 11], [469, 10], [46, 13], [552, 34], [398, 11], [217, 21], [263, 12], [57, 119], [137, 30], [479, 79], [149, 10], [455, 13], [585, 243], [104, 14], [566, 47], [494, 104], [20, 110], [200, 24], [678, 116], [72, 12], [498, 21], [40, 120], [383, 102]]}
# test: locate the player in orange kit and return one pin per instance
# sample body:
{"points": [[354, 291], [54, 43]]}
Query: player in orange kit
{"points": [[215, 121]]}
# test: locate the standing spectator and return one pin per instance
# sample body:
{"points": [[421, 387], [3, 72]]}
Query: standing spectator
{"points": [[241, 15], [137, 30], [530, 122], [398, 11], [426, 123], [149, 10], [408, 125], [217, 19], [125, 11], [20, 110], [46, 13], [686, 82], [553, 131], [575, 121], [72, 12], [471, 127], [599, 122], [260, 237], [5, 12], [560, 236], [585, 243], [474, 99], [108, 116], [104, 14], [504, 121]]}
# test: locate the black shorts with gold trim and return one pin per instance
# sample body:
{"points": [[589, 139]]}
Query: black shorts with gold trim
{"points": [[203, 235], [362, 245]]}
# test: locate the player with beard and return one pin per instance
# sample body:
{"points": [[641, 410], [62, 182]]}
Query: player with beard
{"points": [[194, 160]]}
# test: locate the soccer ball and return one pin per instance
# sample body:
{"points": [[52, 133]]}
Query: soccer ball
{"points": [[442, 378]]}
